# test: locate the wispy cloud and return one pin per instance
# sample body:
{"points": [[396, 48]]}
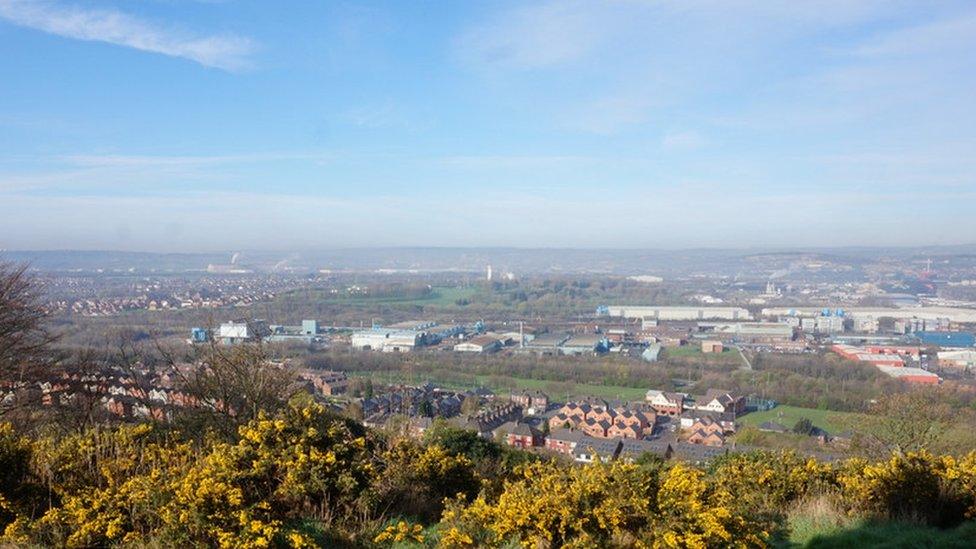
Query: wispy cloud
{"points": [[227, 52], [611, 114], [481, 162], [147, 161], [115, 170], [383, 115], [533, 37], [952, 34], [683, 140]]}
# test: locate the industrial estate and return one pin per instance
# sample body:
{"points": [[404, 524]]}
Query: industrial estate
{"points": [[696, 366]]}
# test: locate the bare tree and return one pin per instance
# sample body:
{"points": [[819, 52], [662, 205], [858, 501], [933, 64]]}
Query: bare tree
{"points": [[907, 422], [231, 384], [84, 374], [25, 341]]}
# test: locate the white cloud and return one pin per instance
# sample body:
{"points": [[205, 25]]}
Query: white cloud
{"points": [[683, 140], [532, 37], [612, 114], [954, 34], [148, 161], [487, 162], [91, 170], [225, 52]]}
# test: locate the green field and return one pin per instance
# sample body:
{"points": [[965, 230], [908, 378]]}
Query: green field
{"points": [[503, 384], [439, 297], [832, 422], [684, 351]]}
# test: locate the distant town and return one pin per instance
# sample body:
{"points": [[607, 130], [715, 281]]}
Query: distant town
{"points": [[695, 362]]}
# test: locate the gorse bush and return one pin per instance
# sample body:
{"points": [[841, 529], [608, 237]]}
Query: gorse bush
{"points": [[306, 477], [920, 487]]}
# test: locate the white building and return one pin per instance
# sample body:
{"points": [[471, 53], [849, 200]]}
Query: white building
{"points": [[387, 341], [934, 314], [961, 359], [230, 333], [480, 344], [659, 312]]}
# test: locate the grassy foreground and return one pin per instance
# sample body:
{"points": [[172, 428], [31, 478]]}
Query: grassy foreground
{"points": [[830, 421], [889, 535]]}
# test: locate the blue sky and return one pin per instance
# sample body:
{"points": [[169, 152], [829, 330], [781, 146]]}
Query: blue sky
{"points": [[178, 125]]}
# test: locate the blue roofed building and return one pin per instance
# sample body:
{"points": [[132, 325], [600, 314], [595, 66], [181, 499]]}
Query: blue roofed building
{"points": [[947, 339]]}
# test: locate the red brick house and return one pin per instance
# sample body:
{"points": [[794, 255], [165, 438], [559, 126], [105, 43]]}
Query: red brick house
{"points": [[666, 404], [563, 441], [521, 435]]}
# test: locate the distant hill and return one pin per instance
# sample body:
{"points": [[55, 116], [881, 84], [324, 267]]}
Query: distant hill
{"points": [[666, 263]]}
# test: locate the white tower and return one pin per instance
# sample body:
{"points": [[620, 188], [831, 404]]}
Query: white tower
{"points": [[489, 273]]}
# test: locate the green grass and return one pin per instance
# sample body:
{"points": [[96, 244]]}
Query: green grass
{"points": [[683, 351], [892, 535], [830, 421], [440, 296], [499, 385], [821, 523]]}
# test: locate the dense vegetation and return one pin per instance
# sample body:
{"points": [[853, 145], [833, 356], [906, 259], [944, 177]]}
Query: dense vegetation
{"points": [[812, 381], [303, 477], [261, 465]]}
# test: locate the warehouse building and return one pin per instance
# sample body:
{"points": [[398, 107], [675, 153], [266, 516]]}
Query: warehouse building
{"points": [[934, 314], [956, 340], [911, 375], [479, 344], [584, 344], [964, 360], [242, 331], [685, 313], [387, 340], [752, 333]]}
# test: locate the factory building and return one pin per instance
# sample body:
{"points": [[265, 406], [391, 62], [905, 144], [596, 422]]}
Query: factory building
{"points": [[956, 340], [957, 315], [681, 313], [584, 344], [479, 344], [964, 360], [891, 364], [753, 333], [387, 340], [310, 327], [307, 332], [833, 324], [235, 332], [911, 375]]}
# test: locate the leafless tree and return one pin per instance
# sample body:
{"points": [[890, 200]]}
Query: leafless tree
{"points": [[84, 372], [25, 340], [230, 384], [906, 422]]}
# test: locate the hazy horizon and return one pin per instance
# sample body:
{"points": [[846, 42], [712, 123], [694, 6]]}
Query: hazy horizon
{"points": [[662, 248], [212, 126]]}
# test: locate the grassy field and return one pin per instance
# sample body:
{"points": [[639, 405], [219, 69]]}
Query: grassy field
{"points": [[502, 384], [439, 297], [832, 422], [684, 351]]}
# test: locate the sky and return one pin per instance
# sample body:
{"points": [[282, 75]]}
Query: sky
{"points": [[190, 125]]}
